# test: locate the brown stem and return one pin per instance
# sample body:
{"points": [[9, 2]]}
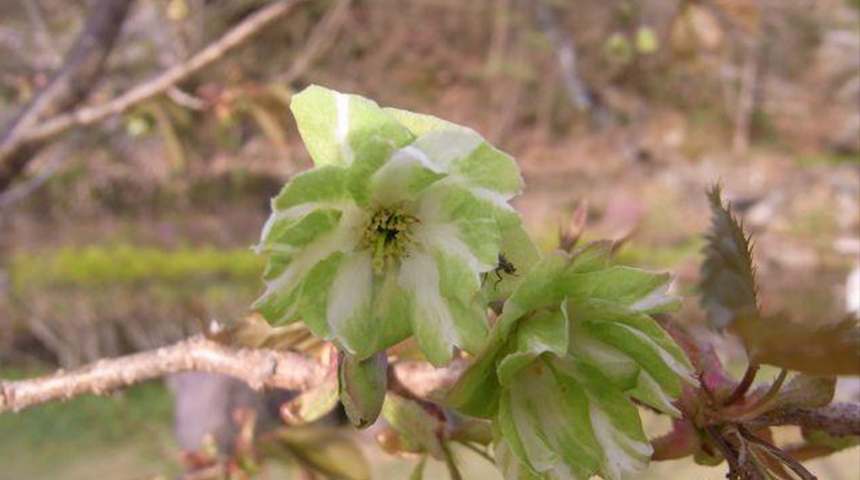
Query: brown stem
{"points": [[791, 462], [742, 388]]}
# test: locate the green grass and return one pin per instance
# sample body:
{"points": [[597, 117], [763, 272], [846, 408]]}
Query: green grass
{"points": [[90, 437], [122, 263]]}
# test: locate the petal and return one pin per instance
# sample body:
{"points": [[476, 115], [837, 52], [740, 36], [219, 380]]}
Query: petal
{"points": [[452, 220], [404, 175], [334, 125], [306, 207], [349, 312], [420, 123], [458, 286], [432, 321], [621, 285], [278, 303]]}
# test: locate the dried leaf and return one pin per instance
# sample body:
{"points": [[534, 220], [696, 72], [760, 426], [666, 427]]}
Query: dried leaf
{"points": [[832, 349]]}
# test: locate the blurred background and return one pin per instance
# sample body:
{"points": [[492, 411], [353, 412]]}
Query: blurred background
{"points": [[134, 231]]}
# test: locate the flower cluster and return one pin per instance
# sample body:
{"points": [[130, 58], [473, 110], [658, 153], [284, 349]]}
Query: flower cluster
{"points": [[389, 234], [573, 347]]}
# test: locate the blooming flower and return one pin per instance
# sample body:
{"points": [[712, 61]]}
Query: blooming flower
{"points": [[573, 346], [390, 232]]}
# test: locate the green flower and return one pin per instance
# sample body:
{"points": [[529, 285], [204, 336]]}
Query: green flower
{"points": [[389, 234], [572, 348]]}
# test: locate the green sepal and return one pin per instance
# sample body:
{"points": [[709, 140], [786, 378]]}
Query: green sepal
{"points": [[363, 384]]}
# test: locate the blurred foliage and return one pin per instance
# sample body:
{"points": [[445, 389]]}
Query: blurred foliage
{"points": [[126, 264]]}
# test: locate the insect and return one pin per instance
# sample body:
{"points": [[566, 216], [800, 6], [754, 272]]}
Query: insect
{"points": [[504, 266]]}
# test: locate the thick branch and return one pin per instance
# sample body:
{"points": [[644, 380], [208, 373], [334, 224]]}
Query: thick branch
{"points": [[33, 134], [836, 419], [68, 87], [257, 367]]}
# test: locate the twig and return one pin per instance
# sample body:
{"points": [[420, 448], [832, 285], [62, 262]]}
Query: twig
{"points": [[841, 418], [20, 191], [743, 387], [787, 459], [35, 134], [323, 35], [235, 37]]}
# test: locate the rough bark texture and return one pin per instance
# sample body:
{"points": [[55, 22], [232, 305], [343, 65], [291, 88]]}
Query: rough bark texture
{"points": [[257, 368]]}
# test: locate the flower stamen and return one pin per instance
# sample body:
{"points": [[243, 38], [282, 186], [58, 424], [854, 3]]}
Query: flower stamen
{"points": [[388, 233]]}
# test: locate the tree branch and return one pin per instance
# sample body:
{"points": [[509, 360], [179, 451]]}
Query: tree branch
{"points": [[842, 418], [68, 87], [259, 368], [15, 150]]}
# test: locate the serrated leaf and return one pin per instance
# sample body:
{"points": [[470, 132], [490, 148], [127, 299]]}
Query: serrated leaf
{"points": [[729, 297], [362, 387], [327, 451], [727, 282], [414, 424]]}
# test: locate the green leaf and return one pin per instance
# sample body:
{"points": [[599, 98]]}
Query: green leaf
{"points": [[414, 424], [327, 451], [362, 387], [727, 284]]}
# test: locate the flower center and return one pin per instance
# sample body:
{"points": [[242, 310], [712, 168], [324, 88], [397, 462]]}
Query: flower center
{"points": [[387, 234]]}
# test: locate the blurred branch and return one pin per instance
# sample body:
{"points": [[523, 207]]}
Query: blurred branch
{"points": [[17, 146], [21, 190], [323, 35], [258, 368], [81, 69], [566, 51]]}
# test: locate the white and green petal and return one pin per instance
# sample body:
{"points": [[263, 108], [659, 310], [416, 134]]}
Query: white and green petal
{"points": [[633, 350], [335, 125], [391, 232]]}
